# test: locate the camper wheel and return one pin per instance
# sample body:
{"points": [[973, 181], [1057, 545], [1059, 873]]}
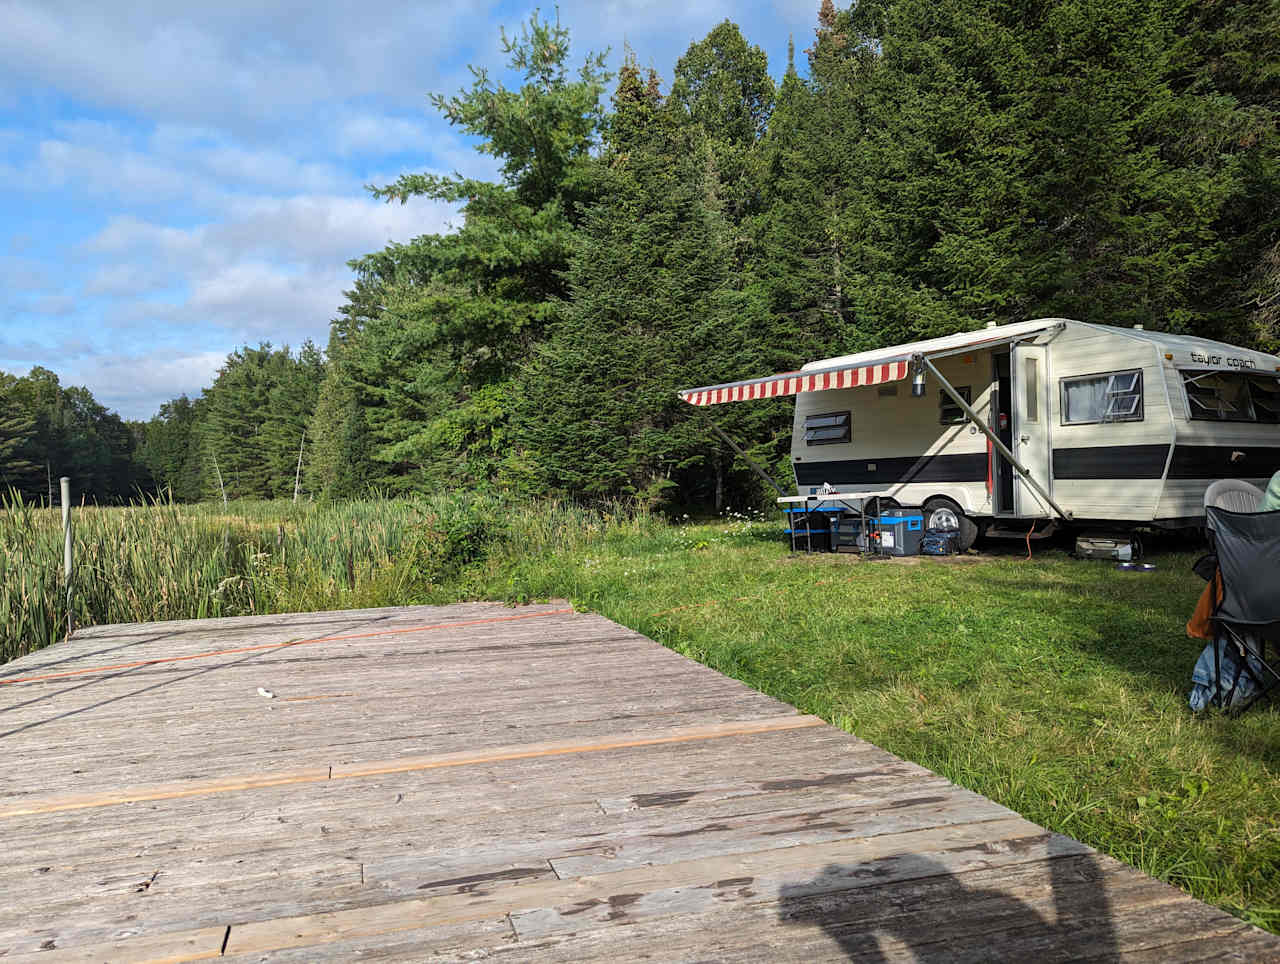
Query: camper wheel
{"points": [[940, 513]]}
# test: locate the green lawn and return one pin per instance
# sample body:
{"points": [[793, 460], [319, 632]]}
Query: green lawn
{"points": [[1055, 686]]}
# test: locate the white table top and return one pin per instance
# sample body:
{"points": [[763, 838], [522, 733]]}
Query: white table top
{"points": [[821, 497]]}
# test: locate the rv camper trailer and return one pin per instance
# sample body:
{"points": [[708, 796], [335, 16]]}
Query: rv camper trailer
{"points": [[1052, 419]]}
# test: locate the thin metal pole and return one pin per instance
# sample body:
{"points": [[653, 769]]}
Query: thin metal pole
{"points": [[67, 562], [222, 488], [745, 457], [985, 429], [297, 476]]}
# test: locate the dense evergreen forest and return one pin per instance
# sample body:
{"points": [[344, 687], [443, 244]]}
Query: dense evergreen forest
{"points": [[47, 431], [936, 165]]}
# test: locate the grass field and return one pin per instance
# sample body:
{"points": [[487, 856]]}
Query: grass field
{"points": [[1054, 686]]}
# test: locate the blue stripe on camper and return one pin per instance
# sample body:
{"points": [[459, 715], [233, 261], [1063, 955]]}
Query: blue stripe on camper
{"points": [[965, 467]]}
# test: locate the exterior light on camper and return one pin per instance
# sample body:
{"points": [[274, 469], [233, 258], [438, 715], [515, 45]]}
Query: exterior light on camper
{"points": [[917, 380]]}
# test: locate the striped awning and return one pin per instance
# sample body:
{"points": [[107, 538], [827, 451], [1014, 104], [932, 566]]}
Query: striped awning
{"points": [[792, 383]]}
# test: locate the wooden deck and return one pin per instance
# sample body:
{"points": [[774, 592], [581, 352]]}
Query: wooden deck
{"points": [[473, 781]]}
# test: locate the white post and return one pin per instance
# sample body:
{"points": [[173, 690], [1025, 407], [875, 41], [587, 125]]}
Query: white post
{"points": [[222, 487], [67, 567], [297, 476]]}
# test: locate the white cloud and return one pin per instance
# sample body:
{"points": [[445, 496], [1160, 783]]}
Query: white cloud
{"points": [[380, 134], [125, 279], [18, 353], [194, 170], [23, 273], [307, 233], [127, 234], [136, 385], [263, 302], [268, 269], [324, 229], [235, 63], [54, 305], [117, 175]]}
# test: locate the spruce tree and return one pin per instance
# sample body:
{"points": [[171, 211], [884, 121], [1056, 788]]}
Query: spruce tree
{"points": [[652, 310], [291, 405]]}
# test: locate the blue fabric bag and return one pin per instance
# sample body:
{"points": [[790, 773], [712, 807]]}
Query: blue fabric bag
{"points": [[1202, 689]]}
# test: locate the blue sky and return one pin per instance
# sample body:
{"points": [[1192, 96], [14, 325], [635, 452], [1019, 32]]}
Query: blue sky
{"points": [[174, 185]]}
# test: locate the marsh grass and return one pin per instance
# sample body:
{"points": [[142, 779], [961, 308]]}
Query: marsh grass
{"points": [[156, 562], [1054, 686]]}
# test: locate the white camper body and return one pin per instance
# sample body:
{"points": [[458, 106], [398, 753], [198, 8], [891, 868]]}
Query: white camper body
{"points": [[1106, 425]]}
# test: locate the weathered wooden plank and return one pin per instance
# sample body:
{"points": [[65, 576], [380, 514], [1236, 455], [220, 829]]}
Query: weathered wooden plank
{"points": [[955, 848], [406, 764], [189, 633], [795, 761], [247, 853], [450, 942], [688, 840], [345, 739], [195, 945], [1059, 908], [455, 908]]}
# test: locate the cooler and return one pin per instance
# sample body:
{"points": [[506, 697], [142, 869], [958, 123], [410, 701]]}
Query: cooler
{"points": [[900, 530]]}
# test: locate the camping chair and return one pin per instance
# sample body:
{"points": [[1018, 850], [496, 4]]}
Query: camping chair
{"points": [[1233, 494], [1247, 616]]}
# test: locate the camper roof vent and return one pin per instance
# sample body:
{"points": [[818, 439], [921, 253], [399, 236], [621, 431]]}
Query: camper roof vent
{"points": [[991, 324]]}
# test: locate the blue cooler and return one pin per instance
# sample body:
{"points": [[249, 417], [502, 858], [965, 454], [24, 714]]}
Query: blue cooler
{"points": [[900, 531]]}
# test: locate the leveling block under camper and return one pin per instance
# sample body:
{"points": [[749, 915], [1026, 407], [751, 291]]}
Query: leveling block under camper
{"points": [[1063, 422]]}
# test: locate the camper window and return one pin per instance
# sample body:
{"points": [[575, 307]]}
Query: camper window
{"points": [[1032, 381], [1232, 396], [1113, 397], [949, 413], [827, 429], [1265, 392]]}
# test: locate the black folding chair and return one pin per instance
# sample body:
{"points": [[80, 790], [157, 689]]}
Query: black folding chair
{"points": [[1247, 545]]}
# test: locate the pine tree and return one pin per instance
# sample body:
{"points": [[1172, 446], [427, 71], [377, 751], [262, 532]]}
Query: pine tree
{"points": [[652, 310], [450, 318]]}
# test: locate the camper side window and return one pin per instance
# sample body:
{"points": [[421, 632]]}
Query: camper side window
{"points": [[949, 413], [1232, 396], [1114, 397], [827, 429], [1265, 392]]}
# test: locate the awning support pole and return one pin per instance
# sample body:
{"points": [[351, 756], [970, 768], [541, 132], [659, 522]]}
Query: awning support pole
{"points": [[985, 429], [743, 455]]}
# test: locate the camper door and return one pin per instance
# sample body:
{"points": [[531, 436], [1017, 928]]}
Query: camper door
{"points": [[1030, 427]]}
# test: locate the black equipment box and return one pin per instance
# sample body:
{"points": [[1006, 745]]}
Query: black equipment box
{"points": [[895, 532], [940, 542], [901, 531]]}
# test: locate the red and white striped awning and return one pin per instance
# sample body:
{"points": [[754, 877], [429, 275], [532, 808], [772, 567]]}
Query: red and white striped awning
{"points": [[792, 383]]}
